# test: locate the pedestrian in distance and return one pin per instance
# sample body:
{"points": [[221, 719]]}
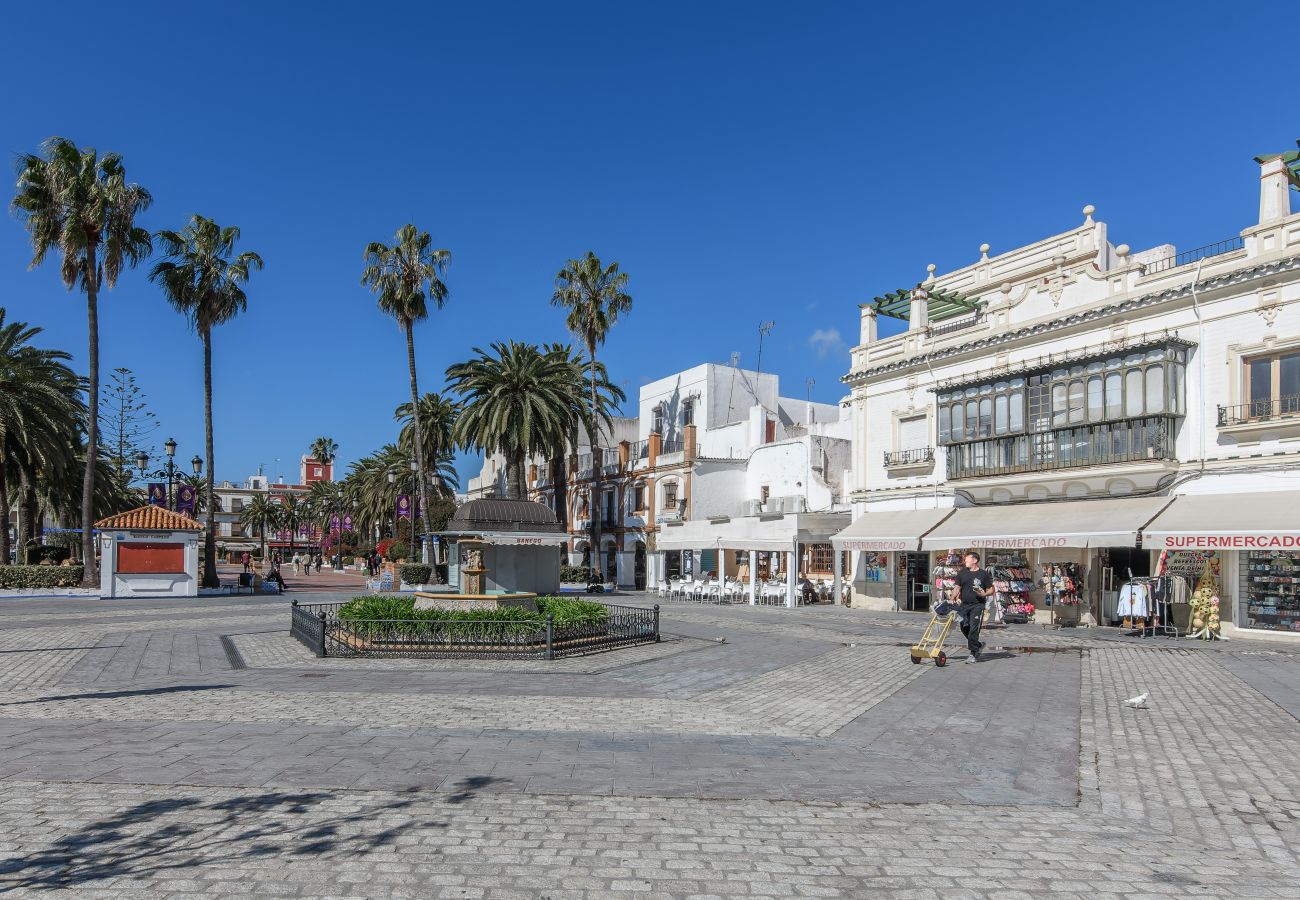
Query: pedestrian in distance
{"points": [[247, 559], [318, 561], [297, 563], [974, 586]]}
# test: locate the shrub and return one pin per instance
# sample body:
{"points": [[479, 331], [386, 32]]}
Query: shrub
{"points": [[575, 574], [370, 615], [416, 573], [397, 550], [48, 554], [12, 577]]}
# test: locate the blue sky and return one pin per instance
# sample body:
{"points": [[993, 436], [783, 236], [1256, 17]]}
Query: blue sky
{"points": [[741, 161]]}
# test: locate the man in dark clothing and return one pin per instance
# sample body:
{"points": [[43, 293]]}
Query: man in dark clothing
{"points": [[974, 585]]}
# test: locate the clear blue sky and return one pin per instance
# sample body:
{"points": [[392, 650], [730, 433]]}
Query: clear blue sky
{"points": [[741, 161]]}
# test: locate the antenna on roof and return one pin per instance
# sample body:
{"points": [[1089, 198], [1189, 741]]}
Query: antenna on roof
{"points": [[764, 329]]}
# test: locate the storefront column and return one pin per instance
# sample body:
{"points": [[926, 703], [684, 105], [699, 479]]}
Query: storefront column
{"points": [[753, 577], [837, 563], [792, 576]]}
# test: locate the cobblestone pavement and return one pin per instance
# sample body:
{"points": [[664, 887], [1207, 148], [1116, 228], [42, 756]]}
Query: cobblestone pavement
{"points": [[164, 749]]}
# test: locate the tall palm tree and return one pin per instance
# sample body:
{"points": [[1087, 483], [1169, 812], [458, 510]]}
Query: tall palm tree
{"points": [[324, 450], [290, 514], [517, 400], [260, 514], [594, 296], [80, 204], [204, 279], [40, 414], [406, 277]]}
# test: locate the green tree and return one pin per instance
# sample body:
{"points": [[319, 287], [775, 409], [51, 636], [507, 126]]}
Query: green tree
{"points": [[261, 515], [406, 277], [203, 278], [594, 296], [437, 421], [517, 401], [80, 205], [40, 414], [608, 397], [290, 514], [324, 450], [126, 419]]}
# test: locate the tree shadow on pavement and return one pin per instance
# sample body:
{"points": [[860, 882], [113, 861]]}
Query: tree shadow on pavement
{"points": [[159, 838], [110, 695]]}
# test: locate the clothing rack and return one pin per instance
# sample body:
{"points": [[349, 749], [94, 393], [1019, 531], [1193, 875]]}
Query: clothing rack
{"points": [[1154, 596]]}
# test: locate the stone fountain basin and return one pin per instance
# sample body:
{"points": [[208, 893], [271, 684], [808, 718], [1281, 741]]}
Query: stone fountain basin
{"points": [[431, 600]]}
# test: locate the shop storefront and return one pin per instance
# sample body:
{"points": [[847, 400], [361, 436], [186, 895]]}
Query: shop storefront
{"points": [[1052, 558], [888, 569], [1247, 544]]}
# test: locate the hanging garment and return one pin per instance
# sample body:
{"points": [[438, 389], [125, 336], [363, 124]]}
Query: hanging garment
{"points": [[1133, 600]]}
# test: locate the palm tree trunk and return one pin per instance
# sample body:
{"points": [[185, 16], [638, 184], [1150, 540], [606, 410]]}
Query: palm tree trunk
{"points": [[25, 498], [514, 467], [4, 517], [90, 576], [422, 488], [210, 579], [597, 501]]}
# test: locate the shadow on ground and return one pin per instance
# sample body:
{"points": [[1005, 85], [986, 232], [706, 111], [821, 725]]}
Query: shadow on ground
{"points": [[158, 837], [110, 695]]}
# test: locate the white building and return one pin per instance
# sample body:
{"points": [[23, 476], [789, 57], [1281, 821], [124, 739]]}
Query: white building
{"points": [[1157, 392], [715, 464]]}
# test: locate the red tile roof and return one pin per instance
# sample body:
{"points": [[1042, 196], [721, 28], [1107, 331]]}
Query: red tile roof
{"points": [[149, 518]]}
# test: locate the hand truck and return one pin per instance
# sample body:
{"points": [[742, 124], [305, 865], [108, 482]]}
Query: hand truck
{"points": [[931, 644]]}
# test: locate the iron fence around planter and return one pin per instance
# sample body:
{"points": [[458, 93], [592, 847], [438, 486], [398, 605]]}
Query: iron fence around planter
{"points": [[320, 628]]}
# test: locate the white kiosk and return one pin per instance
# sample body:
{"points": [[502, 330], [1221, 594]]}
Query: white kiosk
{"points": [[149, 552]]}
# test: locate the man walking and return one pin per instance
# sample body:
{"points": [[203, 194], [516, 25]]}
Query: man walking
{"points": [[974, 585]]}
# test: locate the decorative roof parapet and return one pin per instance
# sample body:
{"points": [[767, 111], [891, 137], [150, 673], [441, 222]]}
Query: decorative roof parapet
{"points": [[1089, 315]]}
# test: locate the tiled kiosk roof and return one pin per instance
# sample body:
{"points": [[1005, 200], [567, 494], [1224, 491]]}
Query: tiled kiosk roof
{"points": [[148, 518], [504, 515]]}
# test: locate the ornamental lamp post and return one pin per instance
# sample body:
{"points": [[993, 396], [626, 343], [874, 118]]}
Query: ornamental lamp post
{"points": [[142, 463]]}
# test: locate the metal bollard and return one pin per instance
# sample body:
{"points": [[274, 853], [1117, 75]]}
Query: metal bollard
{"points": [[656, 623], [550, 636]]}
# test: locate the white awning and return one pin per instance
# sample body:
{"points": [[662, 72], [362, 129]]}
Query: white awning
{"points": [[508, 538], [752, 532], [899, 529], [1262, 521], [1111, 522]]}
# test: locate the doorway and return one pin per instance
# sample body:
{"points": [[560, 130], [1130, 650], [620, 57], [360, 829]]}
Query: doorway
{"points": [[638, 567], [912, 589]]}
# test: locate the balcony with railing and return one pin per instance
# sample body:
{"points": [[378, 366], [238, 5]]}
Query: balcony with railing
{"points": [[1187, 257], [952, 325], [1146, 439], [907, 459], [1270, 412]]}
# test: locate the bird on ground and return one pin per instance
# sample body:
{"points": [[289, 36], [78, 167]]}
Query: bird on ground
{"points": [[1138, 702]]}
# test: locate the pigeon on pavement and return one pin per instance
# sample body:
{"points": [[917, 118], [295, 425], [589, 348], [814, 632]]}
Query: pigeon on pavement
{"points": [[1138, 702]]}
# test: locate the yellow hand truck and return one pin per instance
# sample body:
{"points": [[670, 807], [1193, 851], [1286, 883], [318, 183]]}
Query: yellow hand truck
{"points": [[931, 644]]}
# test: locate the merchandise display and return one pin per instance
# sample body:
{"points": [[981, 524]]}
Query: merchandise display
{"points": [[1205, 604], [944, 577], [1062, 583], [1013, 580], [1271, 589]]}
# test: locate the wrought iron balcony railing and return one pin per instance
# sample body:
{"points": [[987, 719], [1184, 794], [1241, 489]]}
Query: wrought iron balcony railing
{"points": [[1218, 248], [1285, 407], [914, 457]]}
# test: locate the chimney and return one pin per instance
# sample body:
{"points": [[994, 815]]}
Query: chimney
{"points": [[868, 326], [688, 441], [624, 451], [1274, 188], [654, 448], [918, 316]]}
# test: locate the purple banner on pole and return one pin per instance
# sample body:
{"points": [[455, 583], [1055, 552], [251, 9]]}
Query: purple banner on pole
{"points": [[304, 529], [185, 497], [403, 506], [347, 522], [334, 522], [157, 494]]}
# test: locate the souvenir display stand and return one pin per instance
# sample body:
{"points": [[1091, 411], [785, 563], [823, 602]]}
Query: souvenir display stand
{"points": [[1062, 588], [1012, 580]]}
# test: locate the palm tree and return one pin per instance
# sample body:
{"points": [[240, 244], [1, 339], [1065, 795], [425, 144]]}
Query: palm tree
{"points": [[323, 450], [437, 420], [81, 205], [261, 515], [289, 516], [203, 279], [594, 296], [516, 401], [40, 414], [405, 277]]}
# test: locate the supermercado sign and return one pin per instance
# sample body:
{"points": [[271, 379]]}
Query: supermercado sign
{"points": [[1159, 541], [878, 544], [1007, 543]]}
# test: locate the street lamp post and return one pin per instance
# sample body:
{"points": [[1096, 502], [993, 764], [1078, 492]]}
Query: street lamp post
{"points": [[169, 472]]}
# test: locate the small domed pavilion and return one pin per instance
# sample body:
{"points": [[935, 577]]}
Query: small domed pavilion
{"points": [[504, 547]]}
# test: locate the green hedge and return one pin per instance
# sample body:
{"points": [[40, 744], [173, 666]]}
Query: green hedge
{"points": [[575, 574], [372, 615], [12, 577], [415, 573]]}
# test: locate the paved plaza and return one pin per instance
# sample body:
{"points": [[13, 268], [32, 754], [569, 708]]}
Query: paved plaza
{"points": [[164, 748]]}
